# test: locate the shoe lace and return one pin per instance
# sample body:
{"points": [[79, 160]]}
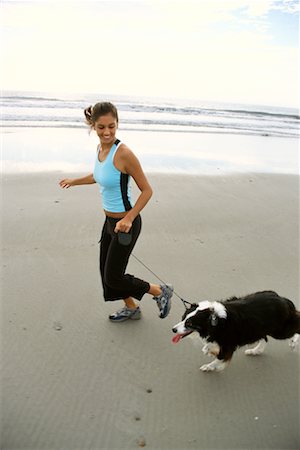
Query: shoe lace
{"points": [[126, 311], [122, 311]]}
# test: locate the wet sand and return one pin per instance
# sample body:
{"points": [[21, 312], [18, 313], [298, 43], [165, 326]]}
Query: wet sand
{"points": [[73, 380]]}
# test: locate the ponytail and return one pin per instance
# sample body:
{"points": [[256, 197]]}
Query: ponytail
{"points": [[88, 115]]}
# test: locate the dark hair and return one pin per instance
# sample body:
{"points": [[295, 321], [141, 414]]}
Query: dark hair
{"points": [[92, 113]]}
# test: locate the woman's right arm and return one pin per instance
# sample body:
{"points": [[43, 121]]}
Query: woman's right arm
{"points": [[68, 182]]}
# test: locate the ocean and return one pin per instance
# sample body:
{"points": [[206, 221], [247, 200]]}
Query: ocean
{"points": [[21, 110], [168, 135]]}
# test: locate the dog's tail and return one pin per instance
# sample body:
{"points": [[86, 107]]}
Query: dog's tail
{"points": [[294, 318], [294, 327], [294, 324], [297, 322], [291, 325], [294, 341]]}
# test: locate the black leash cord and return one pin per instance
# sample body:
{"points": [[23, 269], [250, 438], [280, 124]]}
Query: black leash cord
{"points": [[185, 302]]}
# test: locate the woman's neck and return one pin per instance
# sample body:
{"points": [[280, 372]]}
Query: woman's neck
{"points": [[105, 147]]}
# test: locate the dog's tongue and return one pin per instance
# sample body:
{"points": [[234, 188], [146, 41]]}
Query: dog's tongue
{"points": [[176, 338]]}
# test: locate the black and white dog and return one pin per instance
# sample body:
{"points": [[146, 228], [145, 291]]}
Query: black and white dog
{"points": [[227, 325]]}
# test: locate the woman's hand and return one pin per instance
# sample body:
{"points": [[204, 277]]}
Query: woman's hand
{"points": [[67, 182], [123, 225]]}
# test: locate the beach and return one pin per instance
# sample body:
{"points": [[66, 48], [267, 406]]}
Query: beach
{"points": [[73, 380]]}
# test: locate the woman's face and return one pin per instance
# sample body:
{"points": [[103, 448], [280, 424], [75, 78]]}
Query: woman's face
{"points": [[106, 128]]}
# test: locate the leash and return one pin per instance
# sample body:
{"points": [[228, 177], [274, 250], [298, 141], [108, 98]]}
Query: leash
{"points": [[185, 302]]}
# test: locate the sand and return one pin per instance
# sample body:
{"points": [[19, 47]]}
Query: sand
{"points": [[73, 380]]}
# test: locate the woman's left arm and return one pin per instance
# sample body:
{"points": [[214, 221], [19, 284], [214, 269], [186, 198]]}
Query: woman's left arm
{"points": [[131, 165]]}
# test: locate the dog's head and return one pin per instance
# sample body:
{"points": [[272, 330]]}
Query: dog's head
{"points": [[202, 317]]}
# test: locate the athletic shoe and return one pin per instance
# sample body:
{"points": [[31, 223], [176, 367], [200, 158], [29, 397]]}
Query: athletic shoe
{"points": [[125, 314], [164, 300]]}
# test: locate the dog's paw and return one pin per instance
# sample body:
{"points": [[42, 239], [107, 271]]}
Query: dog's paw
{"points": [[253, 352], [294, 341], [214, 366], [207, 368]]}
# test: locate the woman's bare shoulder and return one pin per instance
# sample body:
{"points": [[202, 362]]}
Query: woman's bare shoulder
{"points": [[125, 152]]}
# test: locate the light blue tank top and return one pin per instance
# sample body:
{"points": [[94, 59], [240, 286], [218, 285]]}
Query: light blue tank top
{"points": [[114, 185]]}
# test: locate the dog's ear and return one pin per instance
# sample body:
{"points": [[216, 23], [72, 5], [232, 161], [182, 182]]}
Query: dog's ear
{"points": [[193, 306], [190, 308]]}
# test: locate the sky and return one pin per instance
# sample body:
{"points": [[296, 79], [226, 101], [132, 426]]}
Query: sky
{"points": [[238, 51]]}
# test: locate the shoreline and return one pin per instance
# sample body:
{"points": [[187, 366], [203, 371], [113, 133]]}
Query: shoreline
{"points": [[40, 150], [193, 130]]}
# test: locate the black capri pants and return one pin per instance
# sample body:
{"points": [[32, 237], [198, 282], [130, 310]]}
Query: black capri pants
{"points": [[114, 258]]}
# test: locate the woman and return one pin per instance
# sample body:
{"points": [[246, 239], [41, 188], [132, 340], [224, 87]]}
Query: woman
{"points": [[114, 166]]}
